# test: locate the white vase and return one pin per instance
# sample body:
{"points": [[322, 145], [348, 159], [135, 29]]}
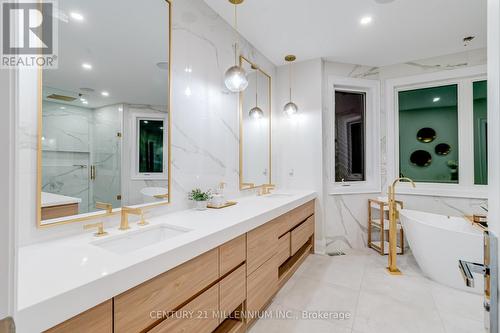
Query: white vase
{"points": [[201, 205]]}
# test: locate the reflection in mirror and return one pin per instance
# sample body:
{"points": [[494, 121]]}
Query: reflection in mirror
{"points": [[105, 110], [255, 125]]}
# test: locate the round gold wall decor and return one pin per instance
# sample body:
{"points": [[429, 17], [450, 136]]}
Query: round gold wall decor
{"points": [[421, 158], [426, 135], [442, 149]]}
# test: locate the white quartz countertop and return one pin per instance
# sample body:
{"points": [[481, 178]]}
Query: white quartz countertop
{"points": [[52, 199], [61, 278]]}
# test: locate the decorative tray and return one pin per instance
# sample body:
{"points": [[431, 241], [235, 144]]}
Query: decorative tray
{"points": [[227, 204]]}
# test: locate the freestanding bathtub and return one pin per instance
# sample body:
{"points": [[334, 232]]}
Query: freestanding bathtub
{"points": [[439, 241]]}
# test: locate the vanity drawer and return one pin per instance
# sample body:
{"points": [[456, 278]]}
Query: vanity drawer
{"points": [[261, 285], [232, 290], [199, 315], [232, 253], [282, 224], [283, 248], [99, 319], [300, 213], [261, 245], [164, 293], [301, 234]]}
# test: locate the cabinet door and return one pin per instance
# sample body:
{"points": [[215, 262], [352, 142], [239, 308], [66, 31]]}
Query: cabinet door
{"points": [[200, 315], [165, 292], [262, 244], [261, 285], [99, 319], [299, 214]]}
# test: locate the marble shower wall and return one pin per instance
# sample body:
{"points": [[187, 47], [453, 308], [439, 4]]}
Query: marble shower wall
{"points": [[346, 215], [205, 136]]}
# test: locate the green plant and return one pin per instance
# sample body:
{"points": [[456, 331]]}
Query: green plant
{"points": [[199, 195]]}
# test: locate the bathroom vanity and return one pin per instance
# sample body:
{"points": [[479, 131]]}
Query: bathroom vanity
{"points": [[213, 276]]}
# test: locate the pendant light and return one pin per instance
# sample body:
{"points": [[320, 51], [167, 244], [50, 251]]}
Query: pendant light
{"points": [[256, 112], [290, 108], [235, 77]]}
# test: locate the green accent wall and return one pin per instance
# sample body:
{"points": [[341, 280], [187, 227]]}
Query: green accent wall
{"points": [[480, 92], [418, 109]]}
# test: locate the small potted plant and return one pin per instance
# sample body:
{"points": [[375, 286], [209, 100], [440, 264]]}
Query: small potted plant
{"points": [[200, 198]]}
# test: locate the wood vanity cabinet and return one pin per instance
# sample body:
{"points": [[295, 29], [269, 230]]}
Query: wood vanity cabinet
{"points": [[99, 319], [200, 295]]}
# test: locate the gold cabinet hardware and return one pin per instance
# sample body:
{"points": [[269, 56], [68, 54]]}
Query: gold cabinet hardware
{"points": [[100, 228], [92, 172], [104, 205], [124, 216]]}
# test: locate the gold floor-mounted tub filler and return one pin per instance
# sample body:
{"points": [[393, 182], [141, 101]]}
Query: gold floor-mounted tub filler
{"points": [[393, 216]]}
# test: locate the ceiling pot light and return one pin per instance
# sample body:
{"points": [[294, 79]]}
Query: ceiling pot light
{"points": [[86, 66], [256, 112], [436, 99], [290, 108], [105, 93], [85, 102], [76, 16], [235, 77], [366, 20]]}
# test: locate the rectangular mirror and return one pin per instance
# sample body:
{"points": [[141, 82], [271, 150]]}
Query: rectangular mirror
{"points": [[104, 116], [255, 127]]}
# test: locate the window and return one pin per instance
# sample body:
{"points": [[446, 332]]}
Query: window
{"points": [[349, 136], [480, 93], [428, 134], [150, 155], [355, 140], [437, 129], [150, 146]]}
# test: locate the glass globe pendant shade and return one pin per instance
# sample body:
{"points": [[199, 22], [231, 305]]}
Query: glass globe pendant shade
{"points": [[236, 79], [290, 109], [256, 113]]}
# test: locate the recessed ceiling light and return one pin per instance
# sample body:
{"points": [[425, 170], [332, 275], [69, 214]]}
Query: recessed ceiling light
{"points": [[86, 66], [85, 102], [366, 20], [76, 16], [105, 93], [436, 99], [146, 122], [82, 99], [188, 69], [62, 108]]}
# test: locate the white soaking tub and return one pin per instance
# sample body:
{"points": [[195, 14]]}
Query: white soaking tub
{"points": [[439, 241]]}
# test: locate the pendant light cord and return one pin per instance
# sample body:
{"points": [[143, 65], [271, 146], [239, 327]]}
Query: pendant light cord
{"points": [[237, 34], [256, 86], [290, 79]]}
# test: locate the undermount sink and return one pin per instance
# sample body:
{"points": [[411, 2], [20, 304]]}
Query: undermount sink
{"points": [[278, 195], [138, 239]]}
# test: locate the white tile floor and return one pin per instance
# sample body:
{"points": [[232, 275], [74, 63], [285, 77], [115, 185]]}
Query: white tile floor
{"points": [[377, 302]]}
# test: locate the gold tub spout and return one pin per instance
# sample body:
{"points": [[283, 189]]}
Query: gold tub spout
{"points": [[393, 216]]}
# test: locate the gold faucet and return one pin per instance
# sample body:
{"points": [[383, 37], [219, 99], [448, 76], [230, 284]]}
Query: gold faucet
{"points": [[393, 216], [104, 205], [100, 229], [124, 216], [266, 188]]}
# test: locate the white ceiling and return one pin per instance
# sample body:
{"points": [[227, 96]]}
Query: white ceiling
{"points": [[123, 41], [401, 30]]}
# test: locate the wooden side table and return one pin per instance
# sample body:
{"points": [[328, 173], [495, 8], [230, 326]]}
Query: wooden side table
{"points": [[381, 224]]}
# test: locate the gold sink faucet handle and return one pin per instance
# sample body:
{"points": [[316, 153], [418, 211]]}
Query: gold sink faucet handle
{"points": [[124, 216], [265, 189], [104, 205], [143, 221], [100, 228]]}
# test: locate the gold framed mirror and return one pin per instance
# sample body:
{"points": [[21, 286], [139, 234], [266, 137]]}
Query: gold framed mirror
{"points": [[104, 116], [255, 127]]}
